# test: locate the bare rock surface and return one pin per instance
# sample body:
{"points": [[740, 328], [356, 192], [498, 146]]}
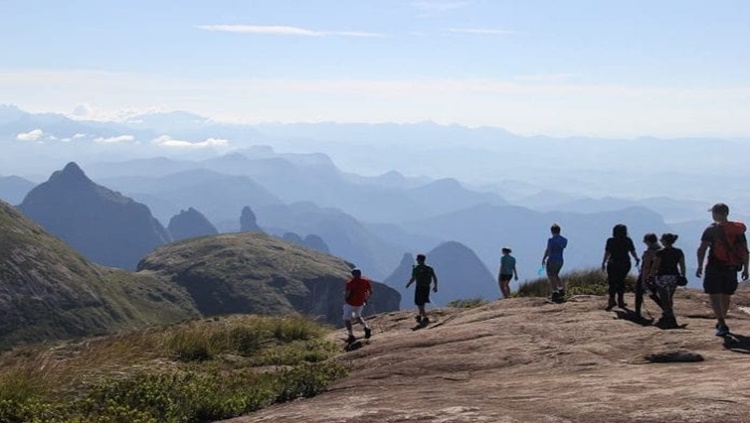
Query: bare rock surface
{"points": [[525, 360]]}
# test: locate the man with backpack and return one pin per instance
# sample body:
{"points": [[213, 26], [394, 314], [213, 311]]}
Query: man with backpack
{"points": [[727, 254], [423, 275]]}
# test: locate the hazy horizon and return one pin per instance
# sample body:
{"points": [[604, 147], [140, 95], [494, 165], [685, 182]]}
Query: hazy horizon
{"points": [[576, 68]]}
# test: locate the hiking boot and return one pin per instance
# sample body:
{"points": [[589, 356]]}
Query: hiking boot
{"points": [[368, 333], [722, 330], [351, 339], [610, 304], [555, 296]]}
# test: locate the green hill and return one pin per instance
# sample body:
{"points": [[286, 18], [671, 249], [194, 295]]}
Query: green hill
{"points": [[260, 274], [49, 291]]}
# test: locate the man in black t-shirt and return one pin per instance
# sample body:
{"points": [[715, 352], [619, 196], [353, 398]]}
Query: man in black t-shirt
{"points": [[424, 275]]}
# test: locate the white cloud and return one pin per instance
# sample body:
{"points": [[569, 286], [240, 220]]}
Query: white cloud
{"points": [[480, 31], [284, 30], [30, 136], [115, 140], [168, 141], [78, 136]]}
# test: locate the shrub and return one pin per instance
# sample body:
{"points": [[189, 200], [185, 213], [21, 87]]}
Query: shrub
{"points": [[578, 282], [467, 303]]}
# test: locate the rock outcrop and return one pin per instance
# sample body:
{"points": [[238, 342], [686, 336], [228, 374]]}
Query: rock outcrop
{"points": [[525, 360], [248, 221], [190, 223], [105, 226]]}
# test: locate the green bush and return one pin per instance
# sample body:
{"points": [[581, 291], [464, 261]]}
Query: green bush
{"points": [[467, 303], [577, 282]]}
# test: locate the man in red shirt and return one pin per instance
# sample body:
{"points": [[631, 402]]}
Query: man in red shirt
{"points": [[358, 290]]}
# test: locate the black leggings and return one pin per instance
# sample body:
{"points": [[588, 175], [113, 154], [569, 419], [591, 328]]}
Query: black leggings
{"points": [[617, 271]]}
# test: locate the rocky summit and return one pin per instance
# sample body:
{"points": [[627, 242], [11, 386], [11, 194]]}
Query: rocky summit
{"points": [[526, 360]]}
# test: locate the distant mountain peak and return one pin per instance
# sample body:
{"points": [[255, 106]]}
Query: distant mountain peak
{"points": [[70, 173]]}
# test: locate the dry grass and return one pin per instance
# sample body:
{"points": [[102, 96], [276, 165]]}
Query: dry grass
{"points": [[197, 368]]}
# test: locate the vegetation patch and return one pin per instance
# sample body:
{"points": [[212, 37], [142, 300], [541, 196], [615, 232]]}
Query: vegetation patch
{"points": [[198, 371], [578, 282], [467, 303]]}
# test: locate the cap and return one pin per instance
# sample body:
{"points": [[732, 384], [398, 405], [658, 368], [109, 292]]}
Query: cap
{"points": [[720, 208], [356, 271]]}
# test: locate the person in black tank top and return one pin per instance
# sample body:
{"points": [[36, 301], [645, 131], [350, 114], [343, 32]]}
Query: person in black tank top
{"points": [[667, 268]]}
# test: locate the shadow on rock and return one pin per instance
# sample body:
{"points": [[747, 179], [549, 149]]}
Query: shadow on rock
{"points": [[630, 316], [674, 357]]}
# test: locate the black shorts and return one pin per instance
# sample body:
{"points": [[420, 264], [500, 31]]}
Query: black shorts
{"points": [[422, 295], [720, 279], [505, 277]]}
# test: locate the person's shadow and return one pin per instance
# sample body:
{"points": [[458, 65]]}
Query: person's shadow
{"points": [[737, 343], [630, 316]]}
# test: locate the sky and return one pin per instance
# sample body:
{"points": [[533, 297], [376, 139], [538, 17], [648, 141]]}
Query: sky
{"points": [[552, 67]]}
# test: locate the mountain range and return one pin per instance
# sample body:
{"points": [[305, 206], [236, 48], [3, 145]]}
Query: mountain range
{"points": [[379, 191]]}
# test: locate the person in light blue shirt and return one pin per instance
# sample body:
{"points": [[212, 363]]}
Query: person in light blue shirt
{"points": [[553, 260], [507, 272]]}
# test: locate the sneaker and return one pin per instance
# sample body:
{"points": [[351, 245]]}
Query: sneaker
{"points": [[722, 330], [418, 318], [425, 320], [555, 296], [368, 333], [351, 339]]}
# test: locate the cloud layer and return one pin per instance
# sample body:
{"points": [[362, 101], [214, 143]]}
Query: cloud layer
{"points": [[285, 30]]}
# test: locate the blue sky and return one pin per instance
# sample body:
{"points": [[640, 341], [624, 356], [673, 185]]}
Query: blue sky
{"points": [[621, 69]]}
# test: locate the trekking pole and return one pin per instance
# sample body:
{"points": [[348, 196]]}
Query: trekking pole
{"points": [[374, 312]]}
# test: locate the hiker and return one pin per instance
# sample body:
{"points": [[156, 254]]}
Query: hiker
{"points": [[645, 283], [553, 261], [358, 290], [667, 266], [616, 262], [424, 275], [507, 271], [727, 256]]}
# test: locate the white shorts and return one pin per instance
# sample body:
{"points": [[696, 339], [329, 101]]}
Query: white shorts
{"points": [[350, 310]]}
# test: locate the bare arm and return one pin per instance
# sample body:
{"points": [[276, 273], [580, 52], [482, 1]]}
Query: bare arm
{"points": [[607, 254], [701, 255], [434, 278], [411, 281], [681, 266], [515, 272], [635, 257], [546, 254]]}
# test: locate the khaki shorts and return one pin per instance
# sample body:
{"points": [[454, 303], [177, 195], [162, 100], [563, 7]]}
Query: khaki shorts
{"points": [[352, 312]]}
